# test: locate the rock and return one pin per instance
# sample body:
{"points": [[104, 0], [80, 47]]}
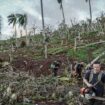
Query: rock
{"points": [[8, 92], [26, 100], [70, 93], [5, 64], [14, 96]]}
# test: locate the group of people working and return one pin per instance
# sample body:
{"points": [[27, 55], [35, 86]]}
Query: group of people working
{"points": [[94, 79]]}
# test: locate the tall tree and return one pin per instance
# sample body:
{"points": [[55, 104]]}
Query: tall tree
{"points": [[61, 7], [22, 21], [63, 38], [43, 26], [12, 19], [90, 10]]}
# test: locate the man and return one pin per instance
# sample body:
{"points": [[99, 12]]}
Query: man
{"points": [[55, 66], [92, 80], [78, 69]]}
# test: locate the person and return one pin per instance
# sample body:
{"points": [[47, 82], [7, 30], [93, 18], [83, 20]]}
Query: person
{"points": [[78, 69], [73, 73], [55, 66], [95, 79]]}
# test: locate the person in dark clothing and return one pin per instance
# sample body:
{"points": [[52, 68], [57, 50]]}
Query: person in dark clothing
{"points": [[55, 66], [78, 69], [95, 78]]}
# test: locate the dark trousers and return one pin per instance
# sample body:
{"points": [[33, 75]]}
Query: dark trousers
{"points": [[79, 73], [55, 72], [95, 102]]}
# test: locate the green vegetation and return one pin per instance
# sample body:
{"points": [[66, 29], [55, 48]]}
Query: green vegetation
{"points": [[25, 73]]}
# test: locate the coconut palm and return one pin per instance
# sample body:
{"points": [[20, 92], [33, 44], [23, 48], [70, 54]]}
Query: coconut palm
{"points": [[12, 19], [90, 10], [22, 21], [61, 7]]}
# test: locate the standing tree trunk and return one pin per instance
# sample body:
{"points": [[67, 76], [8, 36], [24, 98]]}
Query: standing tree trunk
{"points": [[75, 44], [45, 43], [34, 30], [27, 39], [61, 7], [16, 37], [90, 56], [21, 33], [64, 37], [90, 12], [63, 13]]}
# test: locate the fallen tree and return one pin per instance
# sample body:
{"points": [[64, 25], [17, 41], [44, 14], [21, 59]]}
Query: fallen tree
{"points": [[97, 58]]}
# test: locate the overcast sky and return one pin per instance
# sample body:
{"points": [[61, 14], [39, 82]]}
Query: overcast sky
{"points": [[77, 9]]}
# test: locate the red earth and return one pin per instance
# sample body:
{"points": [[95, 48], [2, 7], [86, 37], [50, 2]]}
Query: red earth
{"points": [[39, 67]]}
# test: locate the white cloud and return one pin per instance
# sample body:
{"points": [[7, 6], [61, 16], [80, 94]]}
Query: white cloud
{"points": [[32, 12], [78, 9]]}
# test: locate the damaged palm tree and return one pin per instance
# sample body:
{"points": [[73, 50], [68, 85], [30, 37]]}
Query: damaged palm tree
{"points": [[43, 26], [61, 7], [90, 10]]}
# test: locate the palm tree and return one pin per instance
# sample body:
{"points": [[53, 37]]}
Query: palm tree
{"points": [[61, 7], [43, 26], [90, 10], [22, 21], [12, 19], [63, 38]]}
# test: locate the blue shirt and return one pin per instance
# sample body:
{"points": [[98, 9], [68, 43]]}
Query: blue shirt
{"points": [[99, 87]]}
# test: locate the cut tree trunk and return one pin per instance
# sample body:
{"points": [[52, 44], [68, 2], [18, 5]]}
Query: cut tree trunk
{"points": [[99, 56]]}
